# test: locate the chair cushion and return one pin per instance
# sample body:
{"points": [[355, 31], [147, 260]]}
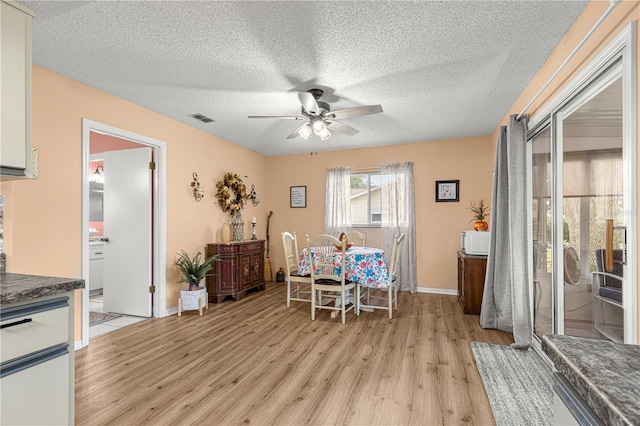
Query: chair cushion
{"points": [[611, 293]]}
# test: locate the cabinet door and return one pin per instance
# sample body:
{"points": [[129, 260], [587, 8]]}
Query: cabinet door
{"points": [[16, 89], [227, 274], [245, 270], [257, 268]]}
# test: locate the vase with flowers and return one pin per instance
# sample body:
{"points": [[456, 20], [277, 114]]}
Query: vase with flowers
{"points": [[232, 197], [479, 212]]}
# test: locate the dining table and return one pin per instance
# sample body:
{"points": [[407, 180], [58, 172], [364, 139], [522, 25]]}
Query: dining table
{"points": [[364, 265]]}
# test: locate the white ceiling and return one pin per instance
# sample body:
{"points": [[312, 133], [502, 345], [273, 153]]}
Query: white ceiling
{"points": [[439, 69]]}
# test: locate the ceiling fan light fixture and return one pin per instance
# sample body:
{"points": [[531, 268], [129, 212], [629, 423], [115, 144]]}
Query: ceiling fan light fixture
{"points": [[324, 134], [318, 126], [305, 132]]}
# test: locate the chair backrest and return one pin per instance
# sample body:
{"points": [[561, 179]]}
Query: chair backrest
{"points": [[617, 268], [395, 255], [291, 253], [357, 238], [322, 265]]}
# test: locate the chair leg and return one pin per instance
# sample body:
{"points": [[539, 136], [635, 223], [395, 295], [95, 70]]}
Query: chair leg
{"points": [[313, 304], [344, 306], [288, 292], [390, 305], [357, 301], [395, 290]]}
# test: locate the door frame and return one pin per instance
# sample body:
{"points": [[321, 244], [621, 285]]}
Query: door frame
{"points": [[159, 247], [623, 47]]}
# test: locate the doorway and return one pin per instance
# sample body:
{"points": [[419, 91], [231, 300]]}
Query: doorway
{"points": [[130, 236]]}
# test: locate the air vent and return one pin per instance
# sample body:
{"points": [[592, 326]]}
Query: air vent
{"points": [[202, 118]]}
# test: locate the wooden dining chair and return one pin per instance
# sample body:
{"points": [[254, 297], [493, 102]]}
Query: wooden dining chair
{"points": [[390, 299], [357, 238], [302, 284], [328, 276]]}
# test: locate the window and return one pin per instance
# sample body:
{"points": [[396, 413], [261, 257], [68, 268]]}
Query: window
{"points": [[365, 199]]}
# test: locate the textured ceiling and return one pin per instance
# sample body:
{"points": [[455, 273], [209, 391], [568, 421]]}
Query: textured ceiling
{"points": [[439, 69]]}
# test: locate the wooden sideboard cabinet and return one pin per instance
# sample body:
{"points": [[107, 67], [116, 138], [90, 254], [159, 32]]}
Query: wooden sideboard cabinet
{"points": [[471, 273], [240, 270]]}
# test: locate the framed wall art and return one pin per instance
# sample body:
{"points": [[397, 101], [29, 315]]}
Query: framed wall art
{"points": [[298, 197], [447, 190]]}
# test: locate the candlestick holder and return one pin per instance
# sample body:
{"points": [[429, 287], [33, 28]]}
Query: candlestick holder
{"points": [[254, 234]]}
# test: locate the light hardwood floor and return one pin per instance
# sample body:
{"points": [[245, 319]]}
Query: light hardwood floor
{"points": [[258, 362]]}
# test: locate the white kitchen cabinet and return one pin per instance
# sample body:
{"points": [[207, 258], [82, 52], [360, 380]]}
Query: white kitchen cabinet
{"points": [[16, 154], [37, 361], [96, 260]]}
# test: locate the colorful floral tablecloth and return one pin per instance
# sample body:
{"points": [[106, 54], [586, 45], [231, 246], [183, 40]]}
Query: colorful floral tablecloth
{"points": [[364, 265]]}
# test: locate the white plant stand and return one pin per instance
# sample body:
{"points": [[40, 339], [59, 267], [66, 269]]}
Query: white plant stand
{"points": [[192, 300]]}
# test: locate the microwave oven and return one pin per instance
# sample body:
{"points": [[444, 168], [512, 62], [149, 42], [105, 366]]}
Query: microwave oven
{"points": [[475, 242]]}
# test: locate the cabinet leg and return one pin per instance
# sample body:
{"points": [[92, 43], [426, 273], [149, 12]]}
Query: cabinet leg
{"points": [[179, 307]]}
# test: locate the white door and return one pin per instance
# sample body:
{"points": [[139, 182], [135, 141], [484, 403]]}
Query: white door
{"points": [[127, 225]]}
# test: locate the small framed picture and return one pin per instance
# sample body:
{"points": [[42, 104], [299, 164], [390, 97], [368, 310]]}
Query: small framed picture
{"points": [[447, 190], [298, 197]]}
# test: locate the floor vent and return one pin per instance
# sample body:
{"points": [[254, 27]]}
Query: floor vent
{"points": [[202, 118]]}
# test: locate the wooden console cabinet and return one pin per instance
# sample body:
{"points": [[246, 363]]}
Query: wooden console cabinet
{"points": [[240, 270], [471, 272]]}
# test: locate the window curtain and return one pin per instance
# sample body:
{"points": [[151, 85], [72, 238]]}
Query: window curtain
{"points": [[337, 218], [506, 300], [398, 217]]}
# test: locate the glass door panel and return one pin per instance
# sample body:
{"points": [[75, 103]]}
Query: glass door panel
{"points": [[592, 193], [542, 242]]}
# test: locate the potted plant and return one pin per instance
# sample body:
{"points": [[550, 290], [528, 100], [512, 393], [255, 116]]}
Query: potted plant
{"points": [[480, 213], [193, 272]]}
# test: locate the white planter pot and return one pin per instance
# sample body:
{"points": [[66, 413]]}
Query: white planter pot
{"points": [[191, 300]]}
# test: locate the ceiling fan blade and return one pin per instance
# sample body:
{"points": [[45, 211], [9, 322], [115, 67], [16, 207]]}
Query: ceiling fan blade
{"points": [[279, 117], [309, 103], [341, 128], [296, 132], [355, 111]]}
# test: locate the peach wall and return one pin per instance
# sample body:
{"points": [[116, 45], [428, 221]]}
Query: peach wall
{"points": [[43, 216], [438, 225], [622, 15]]}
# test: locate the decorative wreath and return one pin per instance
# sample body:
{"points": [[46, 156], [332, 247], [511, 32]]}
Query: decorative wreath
{"points": [[232, 193]]}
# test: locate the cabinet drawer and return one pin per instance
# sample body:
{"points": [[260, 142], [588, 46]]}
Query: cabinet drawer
{"points": [[33, 327], [38, 395], [251, 246], [96, 251]]}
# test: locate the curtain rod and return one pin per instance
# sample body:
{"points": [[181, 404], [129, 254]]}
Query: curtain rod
{"points": [[612, 5]]}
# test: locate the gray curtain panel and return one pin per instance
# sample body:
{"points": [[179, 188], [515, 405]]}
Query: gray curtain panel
{"points": [[399, 217], [506, 301]]}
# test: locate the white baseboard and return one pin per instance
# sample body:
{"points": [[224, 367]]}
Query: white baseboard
{"points": [[437, 291], [171, 311], [77, 345]]}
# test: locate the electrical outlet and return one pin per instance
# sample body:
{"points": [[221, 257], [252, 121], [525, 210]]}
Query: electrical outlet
{"points": [[589, 287]]}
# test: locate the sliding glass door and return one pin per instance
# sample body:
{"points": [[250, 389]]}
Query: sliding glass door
{"points": [[582, 175], [592, 195], [542, 248]]}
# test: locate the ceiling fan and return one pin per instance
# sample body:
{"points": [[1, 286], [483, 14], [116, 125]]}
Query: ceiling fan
{"points": [[321, 120]]}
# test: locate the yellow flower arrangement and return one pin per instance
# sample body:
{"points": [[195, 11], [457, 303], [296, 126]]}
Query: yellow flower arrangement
{"points": [[232, 193]]}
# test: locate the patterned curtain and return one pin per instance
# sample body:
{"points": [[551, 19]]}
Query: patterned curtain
{"points": [[399, 217], [338, 202]]}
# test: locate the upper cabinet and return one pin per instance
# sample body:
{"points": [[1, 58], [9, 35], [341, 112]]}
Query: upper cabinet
{"points": [[15, 89]]}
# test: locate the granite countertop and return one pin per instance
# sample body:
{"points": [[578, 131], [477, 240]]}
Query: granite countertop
{"points": [[20, 287], [605, 374]]}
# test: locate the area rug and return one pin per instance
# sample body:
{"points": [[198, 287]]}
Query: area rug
{"points": [[519, 384], [98, 317]]}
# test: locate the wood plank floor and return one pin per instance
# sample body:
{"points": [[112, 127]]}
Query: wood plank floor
{"points": [[258, 362]]}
